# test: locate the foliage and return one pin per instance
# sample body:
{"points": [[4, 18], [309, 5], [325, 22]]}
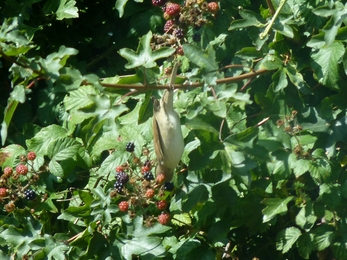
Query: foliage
{"points": [[262, 104]]}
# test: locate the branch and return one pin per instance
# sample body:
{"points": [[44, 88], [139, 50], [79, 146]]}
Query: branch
{"points": [[249, 75]]}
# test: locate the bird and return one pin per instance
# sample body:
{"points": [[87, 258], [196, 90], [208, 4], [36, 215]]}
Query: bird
{"points": [[167, 132]]}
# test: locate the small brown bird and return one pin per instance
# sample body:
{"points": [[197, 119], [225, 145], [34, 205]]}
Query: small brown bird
{"points": [[167, 133]]}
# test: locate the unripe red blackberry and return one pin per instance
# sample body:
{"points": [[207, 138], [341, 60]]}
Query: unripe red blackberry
{"points": [[150, 193], [160, 178], [119, 169], [162, 204], [169, 25], [3, 192], [164, 218], [22, 169], [179, 50], [145, 169], [213, 7], [172, 9], [7, 172], [123, 206], [31, 156]]}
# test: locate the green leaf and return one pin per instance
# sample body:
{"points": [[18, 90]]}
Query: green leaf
{"points": [[323, 236], [306, 217], [286, 239], [249, 19], [275, 206], [67, 9], [144, 56], [305, 245], [243, 139], [17, 96], [143, 241], [203, 59], [326, 64], [63, 149], [120, 5], [43, 139]]}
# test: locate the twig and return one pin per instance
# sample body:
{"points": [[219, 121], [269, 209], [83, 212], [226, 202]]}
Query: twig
{"points": [[249, 75]]}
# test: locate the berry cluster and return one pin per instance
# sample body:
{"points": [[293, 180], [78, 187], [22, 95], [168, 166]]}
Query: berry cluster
{"points": [[15, 181], [181, 19], [139, 191]]}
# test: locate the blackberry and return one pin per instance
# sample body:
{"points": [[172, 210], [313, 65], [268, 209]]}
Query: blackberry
{"points": [[30, 194], [168, 186], [179, 33], [130, 147], [169, 25], [158, 2], [118, 186], [147, 163], [148, 176], [122, 177]]}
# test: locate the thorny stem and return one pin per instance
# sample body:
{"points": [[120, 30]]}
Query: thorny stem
{"points": [[271, 7], [248, 75]]}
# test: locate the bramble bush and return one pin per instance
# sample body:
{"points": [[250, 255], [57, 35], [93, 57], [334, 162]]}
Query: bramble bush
{"points": [[261, 93]]}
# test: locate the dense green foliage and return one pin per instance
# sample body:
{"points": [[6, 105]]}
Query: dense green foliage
{"points": [[261, 95]]}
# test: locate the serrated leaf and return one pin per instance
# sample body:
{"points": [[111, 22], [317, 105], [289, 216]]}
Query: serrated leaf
{"points": [[306, 217], [249, 19], [305, 245], [144, 56], [323, 236], [286, 239], [243, 139], [67, 9], [43, 139], [326, 63], [112, 161], [275, 206], [63, 149], [17, 96], [198, 123], [181, 219], [203, 59]]}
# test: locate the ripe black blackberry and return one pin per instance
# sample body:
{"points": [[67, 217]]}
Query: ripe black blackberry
{"points": [[130, 147], [179, 33], [168, 186], [122, 177], [30, 194], [118, 186], [158, 2], [148, 176]]}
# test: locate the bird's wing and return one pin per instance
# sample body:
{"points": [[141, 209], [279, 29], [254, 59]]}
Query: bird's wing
{"points": [[158, 142]]}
